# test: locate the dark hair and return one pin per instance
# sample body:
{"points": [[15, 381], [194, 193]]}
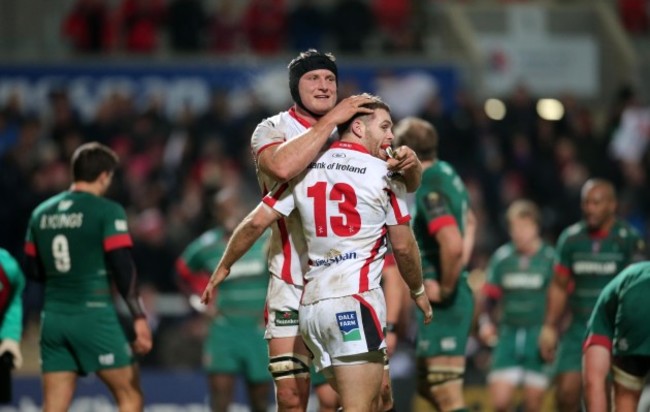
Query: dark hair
{"points": [[419, 135], [375, 104], [307, 61], [92, 159]]}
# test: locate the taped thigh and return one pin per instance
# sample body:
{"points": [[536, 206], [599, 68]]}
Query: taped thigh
{"points": [[627, 380], [441, 375], [289, 366]]}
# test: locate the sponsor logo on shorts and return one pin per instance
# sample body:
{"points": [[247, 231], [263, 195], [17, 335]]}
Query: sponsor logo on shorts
{"points": [[107, 359], [286, 318], [349, 326]]}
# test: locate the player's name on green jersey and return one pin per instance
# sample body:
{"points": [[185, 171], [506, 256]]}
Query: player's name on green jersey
{"points": [[61, 221], [523, 280], [582, 267]]}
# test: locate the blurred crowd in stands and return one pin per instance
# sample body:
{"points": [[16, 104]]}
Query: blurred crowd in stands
{"points": [[263, 27], [267, 27]]}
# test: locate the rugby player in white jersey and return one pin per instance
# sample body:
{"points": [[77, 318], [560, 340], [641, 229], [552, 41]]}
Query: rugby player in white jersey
{"points": [[283, 146], [348, 201]]}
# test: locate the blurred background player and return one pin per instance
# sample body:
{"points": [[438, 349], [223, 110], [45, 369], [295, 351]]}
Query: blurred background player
{"points": [[283, 146], [588, 255], [618, 342], [235, 344], [517, 279], [77, 244], [442, 220], [12, 284]]}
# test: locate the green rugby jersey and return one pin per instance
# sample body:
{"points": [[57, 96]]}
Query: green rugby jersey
{"points": [[69, 234], [441, 200], [242, 296], [12, 284], [619, 321], [592, 260], [520, 283]]}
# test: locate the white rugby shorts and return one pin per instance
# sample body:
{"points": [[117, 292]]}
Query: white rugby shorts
{"points": [[337, 329], [282, 302]]}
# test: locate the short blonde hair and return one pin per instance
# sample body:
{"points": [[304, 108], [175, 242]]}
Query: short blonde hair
{"points": [[524, 208]]}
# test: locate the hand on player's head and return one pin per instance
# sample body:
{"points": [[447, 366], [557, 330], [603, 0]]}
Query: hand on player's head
{"points": [[348, 107]]}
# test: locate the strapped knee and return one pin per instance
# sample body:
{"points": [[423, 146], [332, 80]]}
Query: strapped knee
{"points": [[440, 375], [289, 366]]}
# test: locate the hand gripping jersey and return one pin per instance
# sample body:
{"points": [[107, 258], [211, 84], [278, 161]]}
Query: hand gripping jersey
{"points": [[69, 234], [520, 282], [346, 198], [287, 249], [592, 260]]}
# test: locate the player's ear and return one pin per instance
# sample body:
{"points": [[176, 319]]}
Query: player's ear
{"points": [[358, 127]]}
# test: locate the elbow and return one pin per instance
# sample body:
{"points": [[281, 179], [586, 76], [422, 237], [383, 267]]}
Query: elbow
{"points": [[402, 247]]}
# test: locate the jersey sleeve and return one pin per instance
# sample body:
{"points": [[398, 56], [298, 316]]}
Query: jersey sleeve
{"points": [[30, 242], [492, 287], [191, 267], [281, 198], [397, 207], [115, 228], [562, 261], [12, 324], [600, 328], [436, 207], [265, 136]]}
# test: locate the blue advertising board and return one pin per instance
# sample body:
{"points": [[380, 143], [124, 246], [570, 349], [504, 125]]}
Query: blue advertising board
{"points": [[180, 84]]}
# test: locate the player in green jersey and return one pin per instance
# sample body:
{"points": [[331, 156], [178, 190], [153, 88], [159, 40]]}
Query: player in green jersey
{"points": [[618, 338], [12, 283], [77, 245], [444, 228], [588, 255], [235, 344], [517, 278]]}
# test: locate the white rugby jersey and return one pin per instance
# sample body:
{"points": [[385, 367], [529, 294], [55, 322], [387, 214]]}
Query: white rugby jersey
{"points": [[287, 249], [346, 199]]}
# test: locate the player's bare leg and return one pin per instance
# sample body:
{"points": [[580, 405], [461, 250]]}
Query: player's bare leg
{"points": [[442, 382], [58, 390], [222, 387], [386, 398], [625, 400], [359, 385], [533, 398], [258, 394], [291, 383], [501, 393], [328, 399], [568, 392], [124, 384]]}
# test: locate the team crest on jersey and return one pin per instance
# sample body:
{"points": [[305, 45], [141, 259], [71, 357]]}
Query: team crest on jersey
{"points": [[65, 205], [595, 246], [286, 318], [349, 326]]}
